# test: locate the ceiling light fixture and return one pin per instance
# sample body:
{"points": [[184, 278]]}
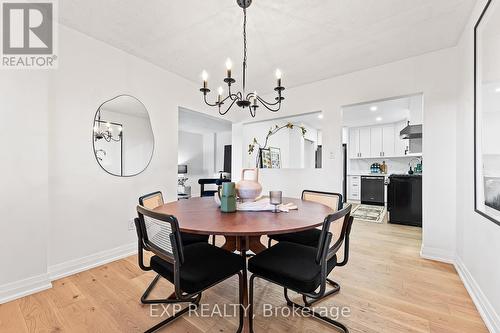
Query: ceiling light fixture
{"points": [[320, 116], [250, 100], [497, 89], [374, 108], [378, 119]]}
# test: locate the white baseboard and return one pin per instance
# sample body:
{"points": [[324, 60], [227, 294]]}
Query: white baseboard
{"points": [[18, 289], [82, 264], [437, 254], [490, 317]]}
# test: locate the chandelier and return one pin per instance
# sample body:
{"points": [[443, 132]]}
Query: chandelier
{"points": [[241, 98], [103, 130]]}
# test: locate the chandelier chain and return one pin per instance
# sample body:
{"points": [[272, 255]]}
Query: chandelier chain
{"points": [[244, 48]]}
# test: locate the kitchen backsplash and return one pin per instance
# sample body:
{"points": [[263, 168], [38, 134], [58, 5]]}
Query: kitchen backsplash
{"points": [[394, 165]]}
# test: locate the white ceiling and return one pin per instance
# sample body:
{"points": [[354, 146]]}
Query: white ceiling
{"points": [[389, 111], [308, 40], [314, 120], [196, 122]]}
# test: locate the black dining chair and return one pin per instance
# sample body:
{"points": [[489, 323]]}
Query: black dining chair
{"points": [[191, 268], [310, 237], [155, 199], [210, 181], [302, 268]]}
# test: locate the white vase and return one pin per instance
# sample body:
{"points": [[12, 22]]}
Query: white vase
{"points": [[248, 189]]}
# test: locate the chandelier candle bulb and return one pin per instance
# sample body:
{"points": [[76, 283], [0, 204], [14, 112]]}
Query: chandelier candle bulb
{"points": [[229, 66], [278, 77], [204, 76]]}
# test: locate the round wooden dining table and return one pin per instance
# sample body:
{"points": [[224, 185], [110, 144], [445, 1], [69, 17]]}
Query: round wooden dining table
{"points": [[242, 230]]}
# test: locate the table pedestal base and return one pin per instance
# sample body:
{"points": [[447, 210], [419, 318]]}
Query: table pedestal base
{"points": [[243, 244]]}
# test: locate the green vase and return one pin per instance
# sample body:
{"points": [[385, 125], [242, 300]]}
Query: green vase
{"points": [[228, 198]]}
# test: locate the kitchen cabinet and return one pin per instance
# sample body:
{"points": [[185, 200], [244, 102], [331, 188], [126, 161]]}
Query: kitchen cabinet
{"points": [[388, 140], [359, 142], [377, 141], [354, 188], [382, 141], [364, 142], [353, 147]]}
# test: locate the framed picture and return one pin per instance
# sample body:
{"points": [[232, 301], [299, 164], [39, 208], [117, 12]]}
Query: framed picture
{"points": [[265, 158], [275, 157], [487, 113]]}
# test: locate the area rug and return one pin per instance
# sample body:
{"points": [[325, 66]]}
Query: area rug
{"points": [[368, 213]]}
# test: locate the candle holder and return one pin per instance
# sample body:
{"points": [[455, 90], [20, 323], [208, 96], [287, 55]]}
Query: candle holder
{"points": [[276, 199]]}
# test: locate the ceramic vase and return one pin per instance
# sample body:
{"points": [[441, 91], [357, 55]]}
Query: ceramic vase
{"points": [[249, 188]]}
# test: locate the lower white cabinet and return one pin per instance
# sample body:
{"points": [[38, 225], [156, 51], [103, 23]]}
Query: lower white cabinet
{"points": [[354, 188]]}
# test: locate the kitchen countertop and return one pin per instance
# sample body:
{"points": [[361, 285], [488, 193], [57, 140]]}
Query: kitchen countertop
{"points": [[368, 174], [381, 174]]}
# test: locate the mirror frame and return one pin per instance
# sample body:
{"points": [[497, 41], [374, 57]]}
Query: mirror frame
{"points": [[93, 145], [477, 87]]}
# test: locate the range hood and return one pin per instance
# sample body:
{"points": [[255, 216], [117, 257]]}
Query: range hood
{"points": [[411, 132]]}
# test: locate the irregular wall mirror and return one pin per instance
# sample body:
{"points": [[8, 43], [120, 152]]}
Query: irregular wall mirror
{"points": [[122, 136]]}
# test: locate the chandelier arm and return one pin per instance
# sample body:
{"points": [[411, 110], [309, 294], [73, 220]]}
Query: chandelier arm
{"points": [[227, 110], [229, 91], [266, 105], [234, 97], [207, 103]]}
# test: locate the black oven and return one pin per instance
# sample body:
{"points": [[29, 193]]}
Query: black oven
{"points": [[372, 190]]}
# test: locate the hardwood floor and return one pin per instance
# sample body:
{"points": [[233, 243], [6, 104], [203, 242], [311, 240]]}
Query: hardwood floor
{"points": [[386, 285]]}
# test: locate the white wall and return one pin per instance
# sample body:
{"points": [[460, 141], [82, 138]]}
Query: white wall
{"points": [[478, 239], [24, 225], [191, 153], [432, 74], [53, 191], [90, 210], [221, 139]]}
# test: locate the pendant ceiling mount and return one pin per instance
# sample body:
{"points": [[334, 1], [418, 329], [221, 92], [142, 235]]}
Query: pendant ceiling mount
{"points": [[244, 3]]}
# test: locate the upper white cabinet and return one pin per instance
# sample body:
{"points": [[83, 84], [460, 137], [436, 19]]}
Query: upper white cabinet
{"points": [[382, 140], [353, 146], [364, 142], [377, 141], [388, 140], [359, 142]]}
